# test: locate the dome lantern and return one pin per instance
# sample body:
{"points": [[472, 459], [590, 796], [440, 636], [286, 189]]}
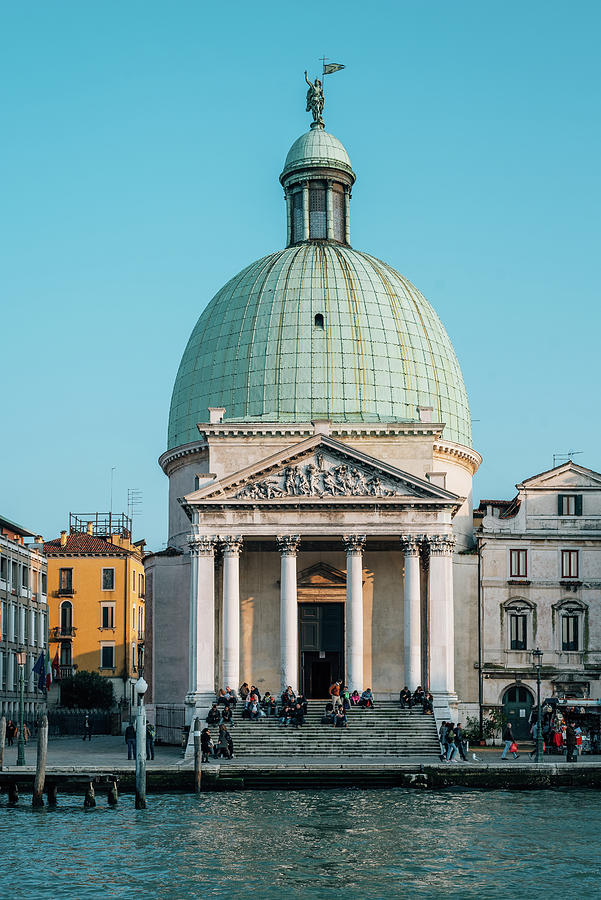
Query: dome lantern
{"points": [[317, 181]]}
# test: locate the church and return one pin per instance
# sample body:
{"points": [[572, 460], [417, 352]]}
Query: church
{"points": [[320, 467]]}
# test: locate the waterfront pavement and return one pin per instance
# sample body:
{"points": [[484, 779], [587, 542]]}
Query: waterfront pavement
{"points": [[105, 751]]}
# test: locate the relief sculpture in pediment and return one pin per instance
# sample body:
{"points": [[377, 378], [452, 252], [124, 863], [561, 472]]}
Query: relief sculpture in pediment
{"points": [[320, 478]]}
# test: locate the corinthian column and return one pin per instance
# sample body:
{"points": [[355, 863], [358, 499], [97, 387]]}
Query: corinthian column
{"points": [[354, 544], [410, 546], [288, 547], [441, 632], [231, 548], [201, 655]]}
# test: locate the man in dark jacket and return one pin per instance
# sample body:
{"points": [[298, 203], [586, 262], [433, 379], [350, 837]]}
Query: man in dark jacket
{"points": [[214, 715], [206, 745], [130, 740], [570, 743], [509, 741]]}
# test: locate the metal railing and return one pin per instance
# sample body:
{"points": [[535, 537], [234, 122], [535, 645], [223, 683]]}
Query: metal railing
{"points": [[61, 632]]}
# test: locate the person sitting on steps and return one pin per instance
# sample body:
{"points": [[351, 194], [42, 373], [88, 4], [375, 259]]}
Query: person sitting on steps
{"points": [[428, 703], [226, 715], [213, 716], [340, 718], [405, 698], [367, 699], [328, 717]]}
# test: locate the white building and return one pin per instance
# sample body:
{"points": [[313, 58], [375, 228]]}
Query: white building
{"points": [[320, 475], [540, 559], [23, 617]]}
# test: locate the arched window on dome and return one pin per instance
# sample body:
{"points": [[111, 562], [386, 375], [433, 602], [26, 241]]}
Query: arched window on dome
{"points": [[317, 210], [339, 213], [319, 321]]}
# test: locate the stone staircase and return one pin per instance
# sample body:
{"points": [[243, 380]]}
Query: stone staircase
{"points": [[386, 731]]}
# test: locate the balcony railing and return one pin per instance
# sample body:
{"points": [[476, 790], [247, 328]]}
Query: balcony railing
{"points": [[67, 671], [62, 632], [65, 591]]}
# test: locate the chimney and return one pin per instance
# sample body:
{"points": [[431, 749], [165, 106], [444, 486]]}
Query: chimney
{"points": [[216, 414], [425, 413], [39, 539], [63, 538], [90, 528]]}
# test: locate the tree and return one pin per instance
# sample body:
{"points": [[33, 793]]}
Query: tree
{"points": [[87, 690]]}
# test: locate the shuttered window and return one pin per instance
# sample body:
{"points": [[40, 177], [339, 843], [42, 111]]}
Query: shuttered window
{"points": [[569, 505], [569, 563], [518, 563], [517, 625], [569, 633], [317, 210]]}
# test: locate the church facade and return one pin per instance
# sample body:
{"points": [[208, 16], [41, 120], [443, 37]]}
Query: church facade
{"points": [[320, 475]]}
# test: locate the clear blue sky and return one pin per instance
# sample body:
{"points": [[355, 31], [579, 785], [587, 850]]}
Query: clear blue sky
{"points": [[141, 146]]}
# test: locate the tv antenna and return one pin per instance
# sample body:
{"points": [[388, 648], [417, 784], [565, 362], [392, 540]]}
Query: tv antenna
{"points": [[565, 457], [134, 504]]}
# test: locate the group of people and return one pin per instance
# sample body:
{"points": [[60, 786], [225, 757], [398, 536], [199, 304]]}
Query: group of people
{"points": [[452, 742], [222, 747], [12, 732], [419, 697], [130, 740]]}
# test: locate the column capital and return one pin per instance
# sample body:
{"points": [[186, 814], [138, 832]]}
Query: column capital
{"points": [[410, 544], [441, 544], [231, 545], [202, 545], [287, 544], [354, 543]]}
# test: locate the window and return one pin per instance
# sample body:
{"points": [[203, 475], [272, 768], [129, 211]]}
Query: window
{"points": [[140, 585], [32, 626], [133, 617], [140, 623], [24, 576], [108, 579], [569, 563], [14, 576], [297, 216], [518, 565], [317, 210], [44, 583], [517, 631], [65, 581], [338, 205], [3, 568], [133, 657], [66, 617], [108, 615], [107, 656], [65, 657], [3, 622], [319, 321], [133, 582], [569, 632], [570, 504]]}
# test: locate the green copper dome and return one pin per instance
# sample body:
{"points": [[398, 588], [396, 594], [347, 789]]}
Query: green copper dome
{"points": [[261, 350], [318, 330]]}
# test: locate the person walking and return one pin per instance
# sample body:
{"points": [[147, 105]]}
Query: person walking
{"points": [[206, 744], [442, 734], [10, 732], [460, 742], [510, 744], [450, 745], [570, 743], [130, 740], [150, 736], [87, 730]]}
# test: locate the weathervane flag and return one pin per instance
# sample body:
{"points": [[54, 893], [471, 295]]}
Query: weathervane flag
{"points": [[330, 68]]}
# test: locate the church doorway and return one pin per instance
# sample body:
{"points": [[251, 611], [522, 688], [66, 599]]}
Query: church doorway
{"points": [[321, 647]]}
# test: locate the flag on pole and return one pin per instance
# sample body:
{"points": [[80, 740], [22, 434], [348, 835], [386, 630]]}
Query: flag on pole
{"points": [[56, 669], [48, 668], [40, 671], [330, 68]]}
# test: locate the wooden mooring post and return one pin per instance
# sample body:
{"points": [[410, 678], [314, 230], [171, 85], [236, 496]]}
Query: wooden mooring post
{"points": [[90, 797], [113, 796], [197, 756], [40, 767], [2, 739], [51, 793]]}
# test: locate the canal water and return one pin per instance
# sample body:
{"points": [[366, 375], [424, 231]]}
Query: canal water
{"points": [[312, 844]]}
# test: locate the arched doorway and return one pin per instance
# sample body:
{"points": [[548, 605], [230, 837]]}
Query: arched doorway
{"points": [[517, 706]]}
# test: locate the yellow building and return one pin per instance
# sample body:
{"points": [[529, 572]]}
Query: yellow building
{"points": [[96, 599]]}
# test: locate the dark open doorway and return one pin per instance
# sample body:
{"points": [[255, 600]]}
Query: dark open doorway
{"points": [[321, 647]]}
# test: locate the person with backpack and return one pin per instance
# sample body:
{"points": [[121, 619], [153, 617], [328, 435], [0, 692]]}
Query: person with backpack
{"points": [[150, 735]]}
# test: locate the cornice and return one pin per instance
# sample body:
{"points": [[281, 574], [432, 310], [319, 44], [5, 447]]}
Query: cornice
{"points": [[471, 459]]}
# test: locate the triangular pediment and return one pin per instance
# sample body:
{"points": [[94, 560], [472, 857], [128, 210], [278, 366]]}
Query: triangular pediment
{"points": [[321, 575], [320, 468], [569, 476]]}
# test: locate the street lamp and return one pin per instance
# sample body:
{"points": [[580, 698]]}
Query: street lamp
{"points": [[537, 659], [141, 688], [21, 657]]}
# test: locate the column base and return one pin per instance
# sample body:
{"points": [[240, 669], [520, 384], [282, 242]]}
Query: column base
{"points": [[445, 706], [198, 704]]}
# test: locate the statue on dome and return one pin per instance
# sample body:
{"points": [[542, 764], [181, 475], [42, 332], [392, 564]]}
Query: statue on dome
{"points": [[315, 101]]}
